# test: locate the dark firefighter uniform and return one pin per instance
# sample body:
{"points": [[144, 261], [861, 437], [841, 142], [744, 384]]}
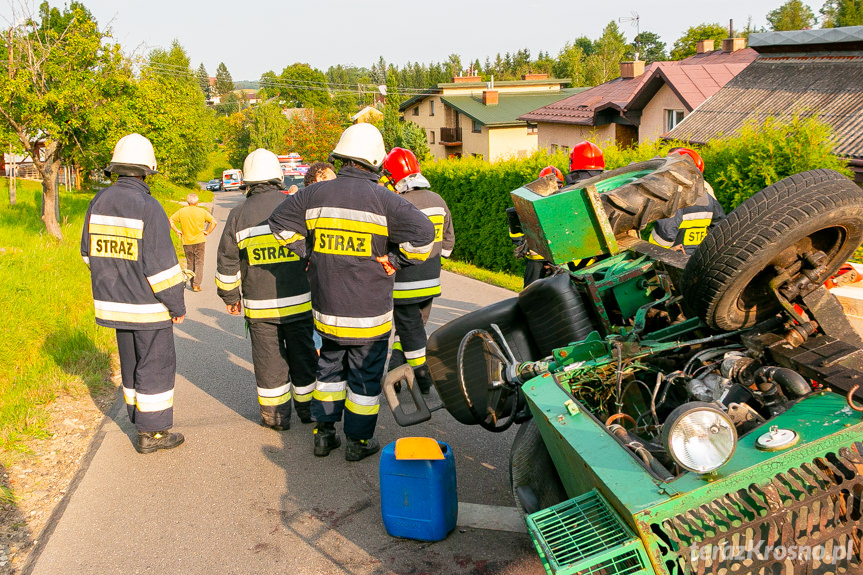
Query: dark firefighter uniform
{"points": [[137, 288], [271, 282], [345, 224], [688, 226], [534, 264], [417, 286]]}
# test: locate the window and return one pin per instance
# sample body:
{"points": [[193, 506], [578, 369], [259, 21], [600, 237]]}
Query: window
{"points": [[672, 118], [478, 156], [532, 129], [476, 128], [553, 148], [431, 107], [417, 111], [565, 149], [431, 136]]}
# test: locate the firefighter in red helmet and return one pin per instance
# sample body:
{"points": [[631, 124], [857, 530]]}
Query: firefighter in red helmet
{"points": [[417, 286], [551, 170], [585, 161]]}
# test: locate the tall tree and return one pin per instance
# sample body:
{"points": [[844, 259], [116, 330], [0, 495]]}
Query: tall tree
{"points": [[224, 82], [268, 128], [314, 134], [204, 80], [793, 15], [648, 46], [304, 87], [62, 76], [391, 129], [685, 47], [570, 64], [604, 64], [838, 13]]}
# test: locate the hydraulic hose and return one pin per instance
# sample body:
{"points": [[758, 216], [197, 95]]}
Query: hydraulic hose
{"points": [[790, 381], [637, 446]]}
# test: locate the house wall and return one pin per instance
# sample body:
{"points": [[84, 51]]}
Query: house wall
{"points": [[473, 143], [567, 135], [652, 125], [430, 123], [505, 143]]}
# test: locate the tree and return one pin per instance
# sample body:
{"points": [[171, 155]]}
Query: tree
{"points": [[838, 13], [684, 47], [268, 128], [314, 133], [236, 137], [793, 15], [415, 139], [392, 131], [204, 80], [604, 64], [302, 86], [224, 82], [570, 64], [56, 95], [648, 46]]}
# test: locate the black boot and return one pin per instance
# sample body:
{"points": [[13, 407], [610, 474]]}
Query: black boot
{"points": [[274, 419], [357, 449], [326, 439], [304, 411], [151, 441]]}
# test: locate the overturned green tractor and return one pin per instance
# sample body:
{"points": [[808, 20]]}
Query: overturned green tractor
{"points": [[678, 415]]}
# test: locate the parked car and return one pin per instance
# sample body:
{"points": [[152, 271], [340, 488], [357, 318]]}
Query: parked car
{"points": [[294, 180], [214, 185]]}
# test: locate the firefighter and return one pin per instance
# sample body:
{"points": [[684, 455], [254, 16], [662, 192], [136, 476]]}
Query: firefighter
{"points": [[137, 289], [417, 286], [688, 226], [535, 266], [358, 234], [266, 282], [585, 161]]}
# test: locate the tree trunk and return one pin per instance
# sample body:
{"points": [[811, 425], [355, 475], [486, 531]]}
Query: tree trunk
{"points": [[51, 198]]}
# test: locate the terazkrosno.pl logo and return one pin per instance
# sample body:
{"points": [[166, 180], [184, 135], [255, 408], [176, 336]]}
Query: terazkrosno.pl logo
{"points": [[761, 552]]}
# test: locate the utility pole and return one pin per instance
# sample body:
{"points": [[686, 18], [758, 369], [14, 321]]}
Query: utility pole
{"points": [[12, 186]]}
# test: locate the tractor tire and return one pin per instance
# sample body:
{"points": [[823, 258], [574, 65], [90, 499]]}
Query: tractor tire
{"points": [[530, 465], [726, 280], [673, 183]]}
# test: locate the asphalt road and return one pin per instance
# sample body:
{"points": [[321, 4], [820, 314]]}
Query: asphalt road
{"points": [[240, 498]]}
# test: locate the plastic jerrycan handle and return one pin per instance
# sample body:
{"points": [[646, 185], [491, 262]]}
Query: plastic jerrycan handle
{"points": [[405, 374]]}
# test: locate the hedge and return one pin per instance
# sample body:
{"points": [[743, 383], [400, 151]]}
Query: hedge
{"points": [[477, 192]]}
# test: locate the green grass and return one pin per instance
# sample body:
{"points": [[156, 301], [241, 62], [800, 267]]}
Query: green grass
{"points": [[500, 279], [217, 162], [51, 344]]}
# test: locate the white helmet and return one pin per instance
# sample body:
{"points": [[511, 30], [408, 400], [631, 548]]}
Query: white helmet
{"points": [[133, 156], [262, 166], [361, 143]]}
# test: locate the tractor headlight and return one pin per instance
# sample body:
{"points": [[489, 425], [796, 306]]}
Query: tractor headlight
{"points": [[699, 436]]}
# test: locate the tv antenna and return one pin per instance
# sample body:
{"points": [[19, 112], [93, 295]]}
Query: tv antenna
{"points": [[635, 19]]}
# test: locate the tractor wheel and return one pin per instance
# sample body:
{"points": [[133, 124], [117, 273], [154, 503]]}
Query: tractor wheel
{"points": [[530, 465], [726, 281], [643, 192]]}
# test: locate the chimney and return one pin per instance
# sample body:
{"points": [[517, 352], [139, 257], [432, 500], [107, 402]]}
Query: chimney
{"points": [[629, 70], [489, 97], [733, 44], [464, 79], [535, 77], [703, 46]]}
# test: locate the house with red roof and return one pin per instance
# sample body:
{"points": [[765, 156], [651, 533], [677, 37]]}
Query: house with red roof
{"points": [[644, 103]]}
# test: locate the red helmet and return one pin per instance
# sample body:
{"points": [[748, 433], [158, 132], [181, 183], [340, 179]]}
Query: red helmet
{"points": [[699, 163], [400, 163], [551, 170], [586, 156]]}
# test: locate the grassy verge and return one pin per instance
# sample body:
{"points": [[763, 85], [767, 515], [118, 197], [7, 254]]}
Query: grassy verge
{"points": [[217, 162], [51, 344], [500, 279]]}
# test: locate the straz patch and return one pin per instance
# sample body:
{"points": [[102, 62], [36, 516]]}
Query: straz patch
{"points": [[343, 243], [438, 222], [694, 236], [113, 247], [270, 254]]}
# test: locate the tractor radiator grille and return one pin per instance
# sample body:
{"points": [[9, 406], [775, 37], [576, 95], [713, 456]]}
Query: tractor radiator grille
{"points": [[803, 521], [584, 536]]}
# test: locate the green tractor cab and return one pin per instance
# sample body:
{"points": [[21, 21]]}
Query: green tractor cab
{"points": [[677, 415]]}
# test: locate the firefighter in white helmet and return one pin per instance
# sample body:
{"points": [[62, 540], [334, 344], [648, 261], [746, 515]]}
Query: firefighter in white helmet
{"points": [[266, 282], [137, 289], [358, 234]]}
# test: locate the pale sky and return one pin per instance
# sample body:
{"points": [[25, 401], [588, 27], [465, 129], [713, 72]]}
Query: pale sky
{"points": [[254, 36]]}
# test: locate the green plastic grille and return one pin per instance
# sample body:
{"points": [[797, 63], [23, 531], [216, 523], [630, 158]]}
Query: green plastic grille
{"points": [[584, 536]]}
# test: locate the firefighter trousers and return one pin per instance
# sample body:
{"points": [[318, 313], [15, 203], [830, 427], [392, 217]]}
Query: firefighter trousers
{"points": [[284, 356], [410, 320], [349, 380], [148, 364]]}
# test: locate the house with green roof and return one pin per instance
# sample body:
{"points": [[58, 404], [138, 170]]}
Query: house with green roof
{"points": [[469, 117]]}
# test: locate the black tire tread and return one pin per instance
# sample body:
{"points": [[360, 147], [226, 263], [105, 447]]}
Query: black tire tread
{"points": [[530, 464]]}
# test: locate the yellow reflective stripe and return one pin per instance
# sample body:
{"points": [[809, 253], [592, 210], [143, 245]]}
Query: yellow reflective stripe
{"points": [[304, 393], [129, 396], [696, 223], [436, 219], [288, 237], [329, 395], [278, 311], [416, 255], [154, 402], [416, 362], [658, 241], [534, 256], [131, 313], [170, 282], [361, 409], [409, 293], [227, 286], [353, 332], [270, 401], [116, 231], [347, 226], [516, 236], [397, 345]]}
